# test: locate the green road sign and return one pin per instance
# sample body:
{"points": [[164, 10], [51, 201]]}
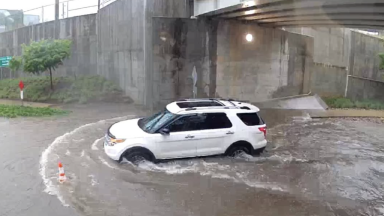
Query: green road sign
{"points": [[4, 61]]}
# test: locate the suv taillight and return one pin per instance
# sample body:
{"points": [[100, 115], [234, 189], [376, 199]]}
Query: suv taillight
{"points": [[264, 130]]}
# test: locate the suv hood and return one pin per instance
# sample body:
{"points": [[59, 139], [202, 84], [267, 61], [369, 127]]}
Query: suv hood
{"points": [[127, 129]]}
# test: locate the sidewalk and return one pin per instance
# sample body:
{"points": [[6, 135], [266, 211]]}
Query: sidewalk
{"points": [[335, 113], [26, 103]]}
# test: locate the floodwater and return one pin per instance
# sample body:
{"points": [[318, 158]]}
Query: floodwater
{"points": [[310, 167]]}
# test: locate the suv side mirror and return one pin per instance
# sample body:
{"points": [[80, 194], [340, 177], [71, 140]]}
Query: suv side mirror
{"points": [[164, 131]]}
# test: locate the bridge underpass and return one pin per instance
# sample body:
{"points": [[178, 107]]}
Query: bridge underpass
{"points": [[363, 14]]}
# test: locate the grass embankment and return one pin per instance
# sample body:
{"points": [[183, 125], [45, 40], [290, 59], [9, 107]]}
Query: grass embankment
{"points": [[81, 89], [10, 111], [345, 103]]}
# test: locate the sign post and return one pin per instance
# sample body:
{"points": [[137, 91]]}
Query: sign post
{"points": [[4, 61], [21, 86]]}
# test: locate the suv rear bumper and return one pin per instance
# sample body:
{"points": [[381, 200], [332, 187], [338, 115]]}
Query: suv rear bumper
{"points": [[260, 145]]}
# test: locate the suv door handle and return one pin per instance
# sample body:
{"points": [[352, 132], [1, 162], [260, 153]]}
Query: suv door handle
{"points": [[189, 137], [230, 132]]}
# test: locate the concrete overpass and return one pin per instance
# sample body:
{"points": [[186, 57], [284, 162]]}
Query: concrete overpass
{"points": [[297, 13]]}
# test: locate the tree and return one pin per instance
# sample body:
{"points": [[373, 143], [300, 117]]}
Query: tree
{"points": [[382, 60], [41, 56]]}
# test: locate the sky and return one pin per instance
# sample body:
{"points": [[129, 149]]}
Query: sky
{"points": [[28, 4], [48, 12]]}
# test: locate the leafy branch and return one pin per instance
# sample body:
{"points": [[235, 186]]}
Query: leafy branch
{"points": [[41, 56]]}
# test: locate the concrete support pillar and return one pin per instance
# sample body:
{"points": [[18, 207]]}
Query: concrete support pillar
{"points": [[212, 56]]}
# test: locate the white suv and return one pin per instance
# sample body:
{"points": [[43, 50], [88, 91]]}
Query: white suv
{"points": [[189, 128]]}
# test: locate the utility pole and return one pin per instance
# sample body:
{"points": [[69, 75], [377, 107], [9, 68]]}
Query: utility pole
{"points": [[98, 5], [56, 9]]}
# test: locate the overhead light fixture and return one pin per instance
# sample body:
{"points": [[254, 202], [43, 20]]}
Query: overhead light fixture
{"points": [[249, 37], [250, 12], [163, 36]]}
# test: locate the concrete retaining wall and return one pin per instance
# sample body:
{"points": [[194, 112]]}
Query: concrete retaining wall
{"points": [[224, 64], [364, 59], [341, 52], [275, 64], [366, 80], [121, 46], [181, 55], [81, 30], [362, 89], [331, 56], [124, 43], [328, 80]]}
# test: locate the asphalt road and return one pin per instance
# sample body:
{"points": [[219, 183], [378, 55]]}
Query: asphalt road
{"points": [[311, 167]]}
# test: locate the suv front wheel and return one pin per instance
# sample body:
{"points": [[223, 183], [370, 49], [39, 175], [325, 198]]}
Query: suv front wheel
{"points": [[138, 155]]}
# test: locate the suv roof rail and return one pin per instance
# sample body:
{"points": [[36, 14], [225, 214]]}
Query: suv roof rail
{"points": [[212, 107], [244, 101], [199, 99]]}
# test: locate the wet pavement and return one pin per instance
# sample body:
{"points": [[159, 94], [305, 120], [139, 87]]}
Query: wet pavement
{"points": [[311, 167]]}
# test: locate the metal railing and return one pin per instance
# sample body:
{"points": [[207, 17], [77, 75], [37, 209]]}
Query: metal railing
{"points": [[12, 19]]}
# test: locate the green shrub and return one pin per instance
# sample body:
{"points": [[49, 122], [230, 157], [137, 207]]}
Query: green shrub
{"points": [[9, 111], [81, 89], [340, 102]]}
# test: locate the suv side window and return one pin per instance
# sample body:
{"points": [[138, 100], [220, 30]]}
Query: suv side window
{"points": [[187, 123], [250, 119], [205, 121]]}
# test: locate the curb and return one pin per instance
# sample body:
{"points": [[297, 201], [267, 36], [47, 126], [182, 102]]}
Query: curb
{"points": [[350, 113], [25, 103]]}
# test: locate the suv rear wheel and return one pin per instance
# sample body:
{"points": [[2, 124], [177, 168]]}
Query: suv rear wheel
{"points": [[238, 149]]}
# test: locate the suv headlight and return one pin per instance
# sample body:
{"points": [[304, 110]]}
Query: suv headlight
{"points": [[115, 141]]}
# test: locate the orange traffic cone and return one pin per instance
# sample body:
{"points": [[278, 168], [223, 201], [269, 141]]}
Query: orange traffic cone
{"points": [[62, 177]]}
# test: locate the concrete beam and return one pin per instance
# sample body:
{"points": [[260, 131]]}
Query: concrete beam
{"points": [[236, 7], [269, 6], [314, 12], [330, 17], [340, 23], [276, 13]]}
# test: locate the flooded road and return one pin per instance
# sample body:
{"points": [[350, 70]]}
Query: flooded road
{"points": [[22, 141], [310, 167]]}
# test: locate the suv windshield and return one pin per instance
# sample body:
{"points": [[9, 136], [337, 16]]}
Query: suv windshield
{"points": [[153, 123]]}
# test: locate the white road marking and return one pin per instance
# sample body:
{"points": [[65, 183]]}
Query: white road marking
{"points": [[82, 153], [94, 145], [67, 152], [50, 188]]}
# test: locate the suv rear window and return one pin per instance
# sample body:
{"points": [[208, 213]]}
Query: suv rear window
{"points": [[250, 119], [216, 121]]}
